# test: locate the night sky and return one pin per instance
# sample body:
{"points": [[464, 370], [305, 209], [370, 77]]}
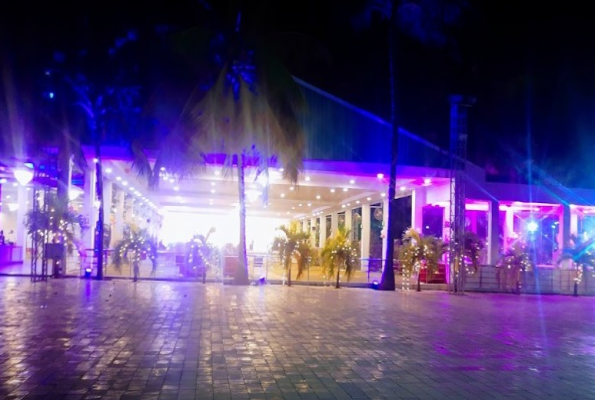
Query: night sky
{"points": [[531, 67]]}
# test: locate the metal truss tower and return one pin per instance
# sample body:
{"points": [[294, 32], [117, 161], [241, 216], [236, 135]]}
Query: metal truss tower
{"points": [[459, 106]]}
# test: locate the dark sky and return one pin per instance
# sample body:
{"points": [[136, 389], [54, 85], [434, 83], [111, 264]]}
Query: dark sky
{"points": [[531, 65]]}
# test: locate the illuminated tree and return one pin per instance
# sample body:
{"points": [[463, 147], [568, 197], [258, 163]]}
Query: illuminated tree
{"points": [[420, 252], [293, 244], [131, 248], [339, 253]]}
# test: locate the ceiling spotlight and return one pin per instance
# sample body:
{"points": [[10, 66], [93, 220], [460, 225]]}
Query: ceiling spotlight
{"points": [[402, 188], [212, 183], [162, 169], [281, 169], [293, 208], [427, 182], [317, 197], [380, 176], [345, 189], [332, 190], [217, 173], [95, 160], [300, 204], [351, 182], [176, 188], [382, 194], [343, 206], [108, 170], [124, 183], [307, 179], [309, 204], [282, 194], [357, 202], [291, 188], [368, 198], [213, 191], [171, 180]]}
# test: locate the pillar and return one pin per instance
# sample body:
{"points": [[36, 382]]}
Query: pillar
{"points": [[334, 223], [349, 220], [20, 229], [365, 243], [418, 201], [322, 233], [493, 232], [385, 226], [574, 222], [89, 209], [118, 231], [564, 233], [313, 232]]}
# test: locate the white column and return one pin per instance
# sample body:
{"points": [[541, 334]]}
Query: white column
{"points": [[312, 232], [89, 209], [334, 223], [493, 232], [385, 226], [118, 230], [573, 222], [349, 220], [365, 243], [322, 233], [418, 201], [21, 230]]}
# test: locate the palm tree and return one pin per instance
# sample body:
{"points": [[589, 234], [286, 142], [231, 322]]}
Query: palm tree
{"points": [[202, 253], [512, 263], [427, 22], [420, 252], [582, 255], [132, 246], [293, 244], [339, 253], [251, 115]]}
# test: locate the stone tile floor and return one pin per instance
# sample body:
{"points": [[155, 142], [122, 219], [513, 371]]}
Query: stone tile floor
{"points": [[77, 339]]}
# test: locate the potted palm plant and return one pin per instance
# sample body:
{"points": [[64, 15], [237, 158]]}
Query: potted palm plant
{"points": [[135, 244], [420, 252], [582, 255], [514, 261], [57, 224], [202, 255], [339, 253], [293, 244]]}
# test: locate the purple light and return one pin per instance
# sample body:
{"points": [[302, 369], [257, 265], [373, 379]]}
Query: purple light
{"points": [[375, 283]]}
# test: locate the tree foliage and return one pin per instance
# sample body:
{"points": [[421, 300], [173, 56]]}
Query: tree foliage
{"points": [[293, 244], [132, 246], [339, 253]]}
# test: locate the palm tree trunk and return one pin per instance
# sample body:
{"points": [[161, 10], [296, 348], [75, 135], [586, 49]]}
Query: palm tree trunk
{"points": [[99, 227], [289, 274], [241, 274], [387, 281], [419, 279], [337, 286]]}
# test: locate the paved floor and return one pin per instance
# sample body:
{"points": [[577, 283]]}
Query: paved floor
{"points": [[78, 339]]}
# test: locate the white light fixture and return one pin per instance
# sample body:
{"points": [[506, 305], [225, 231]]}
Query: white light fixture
{"points": [[213, 191], [212, 183], [427, 182], [368, 198], [345, 189], [291, 188], [307, 179], [108, 170], [176, 188], [317, 197], [13, 207], [118, 178], [332, 190], [217, 173], [23, 175], [382, 194], [351, 182], [124, 183], [402, 188], [342, 205], [96, 203], [95, 160], [300, 204], [7, 196], [282, 194], [357, 202], [380, 176], [309, 204], [171, 180], [3, 180]]}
